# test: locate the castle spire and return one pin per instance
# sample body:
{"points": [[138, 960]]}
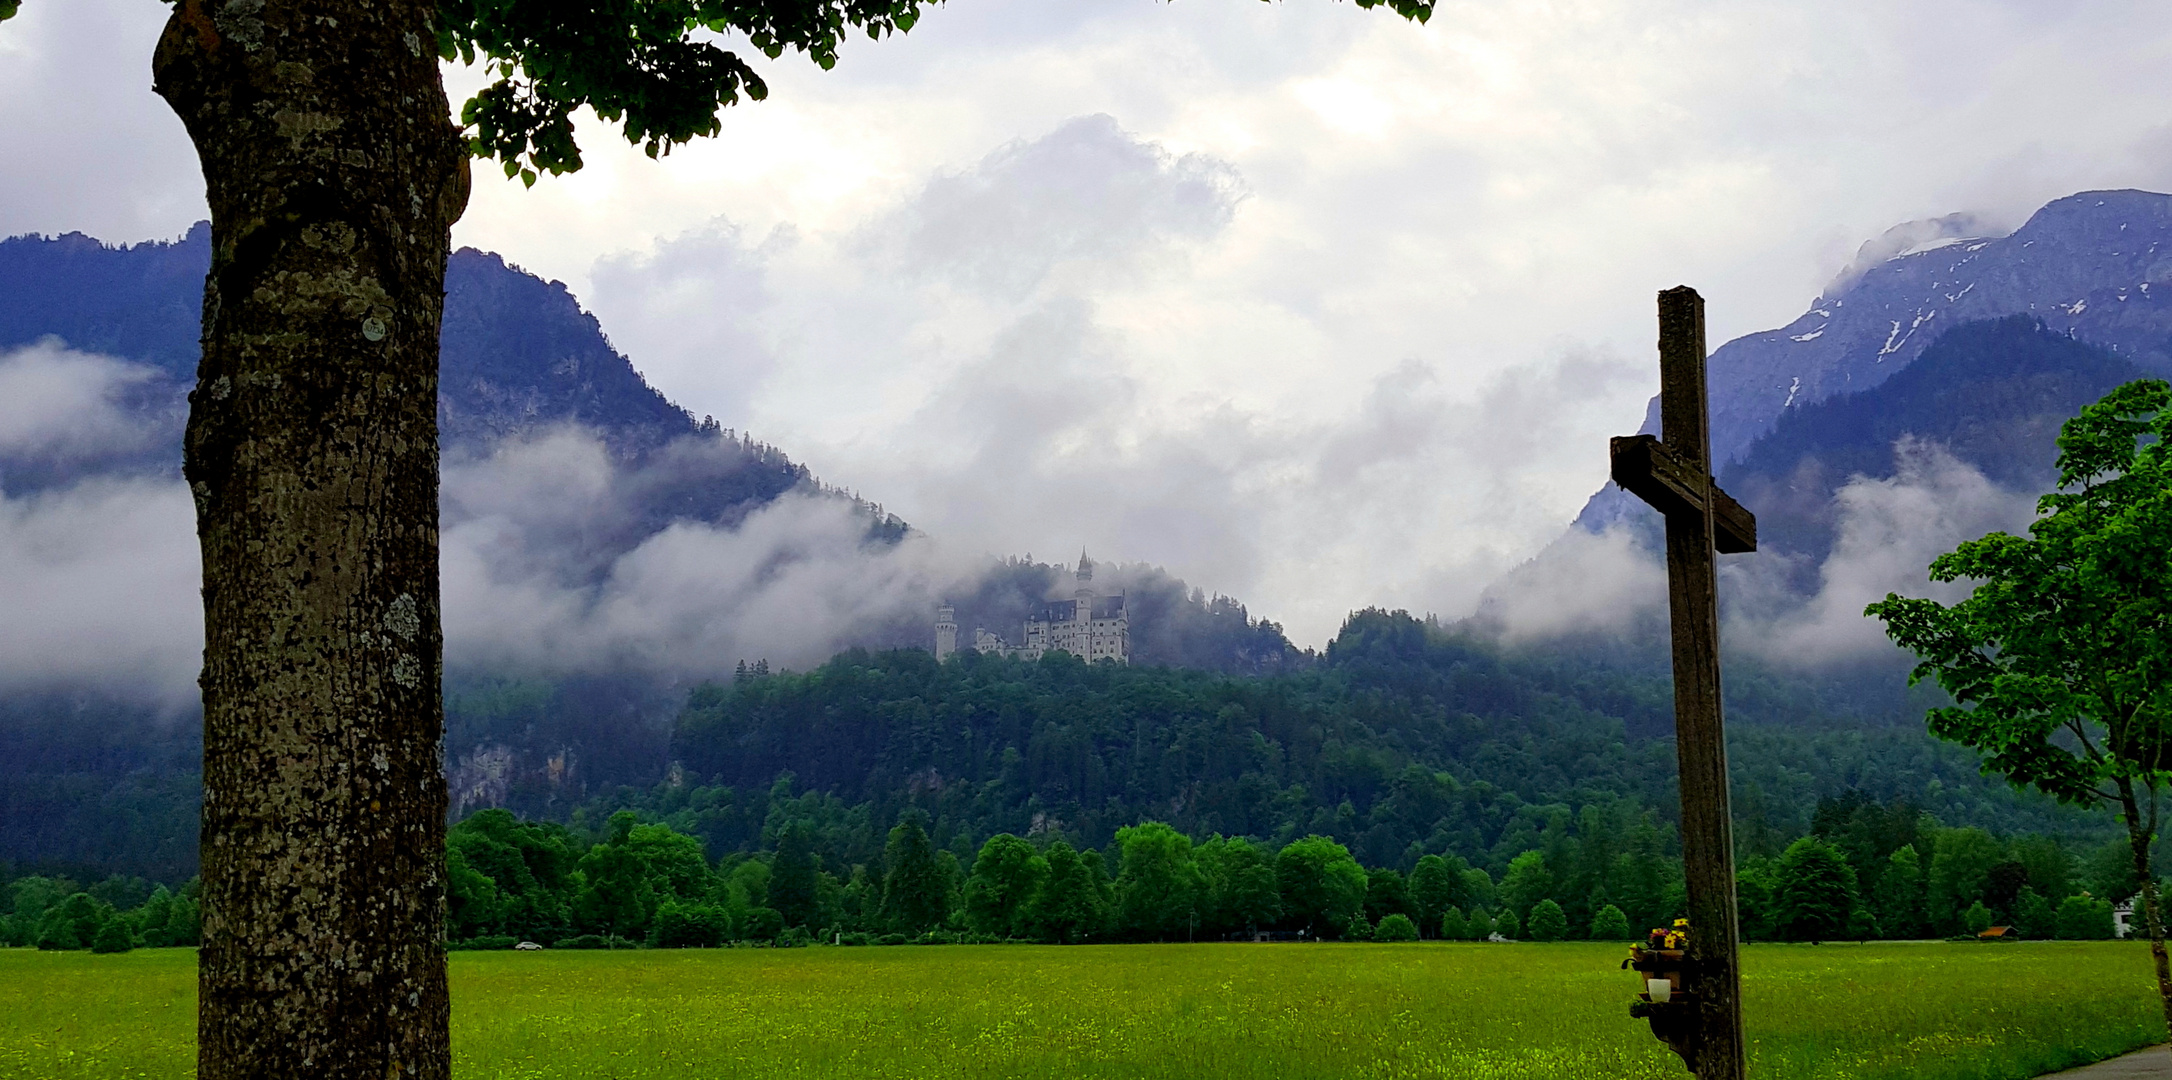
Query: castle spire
{"points": [[1085, 567]]}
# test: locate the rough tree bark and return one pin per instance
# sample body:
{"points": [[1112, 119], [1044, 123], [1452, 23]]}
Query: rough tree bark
{"points": [[2140, 832], [334, 175]]}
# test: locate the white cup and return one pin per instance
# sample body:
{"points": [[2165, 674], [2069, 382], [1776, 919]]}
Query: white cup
{"points": [[1659, 989]]}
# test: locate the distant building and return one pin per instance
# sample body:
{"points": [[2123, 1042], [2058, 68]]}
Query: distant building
{"points": [[1089, 626]]}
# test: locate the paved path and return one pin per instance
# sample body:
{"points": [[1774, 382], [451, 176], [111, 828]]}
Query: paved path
{"points": [[2151, 1063]]}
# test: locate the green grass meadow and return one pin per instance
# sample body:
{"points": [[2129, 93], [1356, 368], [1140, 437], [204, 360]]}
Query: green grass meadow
{"points": [[1471, 1012]]}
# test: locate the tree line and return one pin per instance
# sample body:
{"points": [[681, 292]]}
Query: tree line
{"points": [[1608, 872], [113, 915], [1868, 870]]}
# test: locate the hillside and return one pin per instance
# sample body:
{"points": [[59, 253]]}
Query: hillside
{"points": [[2095, 266]]}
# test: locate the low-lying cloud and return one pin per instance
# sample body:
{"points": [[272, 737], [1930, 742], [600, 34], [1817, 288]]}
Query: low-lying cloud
{"points": [[1614, 582], [998, 358], [532, 584]]}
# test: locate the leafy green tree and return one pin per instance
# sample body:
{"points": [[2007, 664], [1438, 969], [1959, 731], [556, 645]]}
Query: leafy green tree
{"points": [[2048, 867], [152, 917], [1435, 886], [529, 868], [1240, 883], [1960, 871], [915, 889], [1755, 903], [1454, 926], [2082, 917], [1899, 897], [474, 905], [1386, 893], [1506, 926], [1006, 875], [1527, 882], [2059, 661], [1158, 886], [30, 898], [618, 896], [1322, 887], [683, 924], [761, 924], [636, 868], [1548, 923], [1976, 919], [793, 878], [1478, 887], [1815, 892], [113, 937], [2110, 872], [1396, 927], [1479, 927], [74, 922], [1068, 908], [1610, 925], [2033, 915]]}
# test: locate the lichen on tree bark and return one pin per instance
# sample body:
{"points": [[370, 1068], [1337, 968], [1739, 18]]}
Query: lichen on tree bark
{"points": [[334, 175]]}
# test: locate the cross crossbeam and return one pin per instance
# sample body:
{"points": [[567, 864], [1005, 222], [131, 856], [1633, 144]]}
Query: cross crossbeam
{"points": [[1674, 474], [1652, 471]]}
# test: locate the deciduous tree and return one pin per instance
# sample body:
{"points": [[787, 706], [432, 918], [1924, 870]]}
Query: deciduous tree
{"points": [[2059, 661], [1548, 922], [1158, 885], [1323, 888], [1006, 875]]}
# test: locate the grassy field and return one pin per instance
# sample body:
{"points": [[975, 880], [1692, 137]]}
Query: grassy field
{"points": [[1470, 1012]]}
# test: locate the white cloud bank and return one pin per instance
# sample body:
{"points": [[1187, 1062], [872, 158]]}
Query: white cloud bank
{"points": [[1323, 218], [1888, 531]]}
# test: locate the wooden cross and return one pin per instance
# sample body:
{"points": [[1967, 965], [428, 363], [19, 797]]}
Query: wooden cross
{"points": [[1674, 474]]}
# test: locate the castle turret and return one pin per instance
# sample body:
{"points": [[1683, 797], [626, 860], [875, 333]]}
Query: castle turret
{"points": [[946, 632]]}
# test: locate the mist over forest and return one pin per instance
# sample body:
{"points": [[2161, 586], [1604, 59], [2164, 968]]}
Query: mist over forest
{"points": [[647, 610]]}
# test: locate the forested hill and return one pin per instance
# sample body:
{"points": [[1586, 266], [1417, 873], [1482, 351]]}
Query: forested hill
{"points": [[1992, 394], [518, 356], [1407, 739]]}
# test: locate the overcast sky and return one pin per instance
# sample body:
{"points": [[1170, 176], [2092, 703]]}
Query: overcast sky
{"points": [[1308, 304]]}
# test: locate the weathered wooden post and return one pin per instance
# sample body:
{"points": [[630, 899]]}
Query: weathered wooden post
{"points": [[1674, 474]]}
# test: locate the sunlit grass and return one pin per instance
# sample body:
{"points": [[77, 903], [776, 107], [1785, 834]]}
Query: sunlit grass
{"points": [[1471, 1012]]}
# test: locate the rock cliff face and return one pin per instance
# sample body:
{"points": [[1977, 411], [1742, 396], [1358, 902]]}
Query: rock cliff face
{"points": [[2096, 267]]}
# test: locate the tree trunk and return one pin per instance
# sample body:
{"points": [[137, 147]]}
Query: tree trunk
{"points": [[2138, 839], [333, 176]]}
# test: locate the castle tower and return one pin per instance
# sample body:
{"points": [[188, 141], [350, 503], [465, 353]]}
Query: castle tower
{"points": [[946, 632], [1083, 612]]}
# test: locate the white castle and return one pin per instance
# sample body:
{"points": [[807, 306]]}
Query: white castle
{"points": [[1089, 626]]}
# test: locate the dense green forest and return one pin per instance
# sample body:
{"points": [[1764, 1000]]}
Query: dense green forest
{"points": [[1407, 752], [1406, 739]]}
